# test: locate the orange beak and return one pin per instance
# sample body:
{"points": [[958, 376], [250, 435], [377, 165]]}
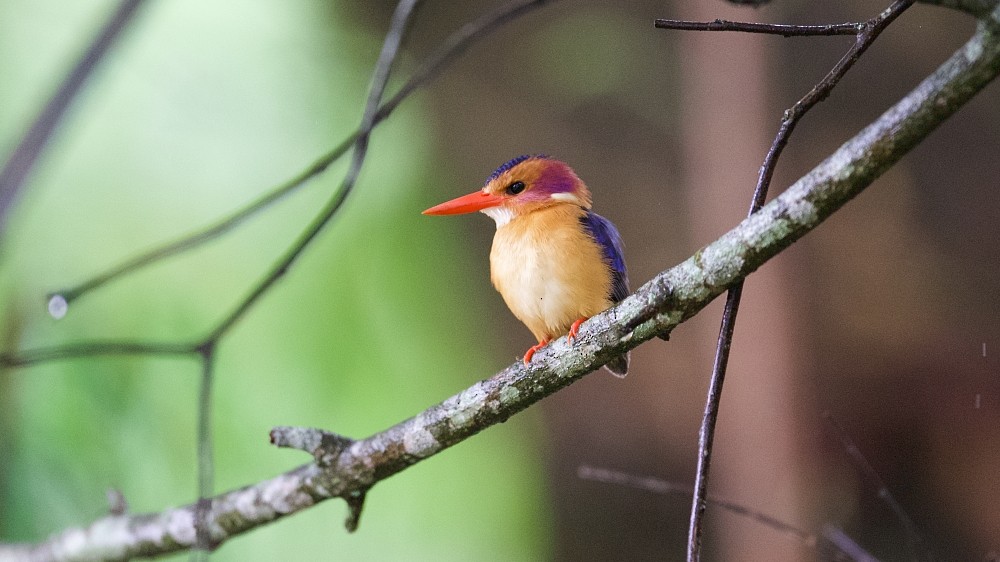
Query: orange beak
{"points": [[475, 201]]}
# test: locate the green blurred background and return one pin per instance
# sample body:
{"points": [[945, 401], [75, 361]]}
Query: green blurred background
{"points": [[880, 317]]}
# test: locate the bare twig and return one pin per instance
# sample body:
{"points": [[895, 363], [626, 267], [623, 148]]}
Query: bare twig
{"points": [[656, 308], [867, 32], [355, 502], [832, 543], [453, 47], [841, 543], [977, 8], [93, 349], [390, 48], [914, 541], [323, 445], [373, 114], [766, 28], [22, 160], [117, 504], [659, 486], [278, 270]]}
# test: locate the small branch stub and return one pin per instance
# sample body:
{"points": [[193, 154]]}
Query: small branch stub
{"points": [[323, 445], [117, 504], [355, 503], [326, 448]]}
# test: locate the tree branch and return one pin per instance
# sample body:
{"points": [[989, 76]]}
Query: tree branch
{"points": [[783, 30], [832, 544], [656, 308], [916, 544], [22, 160], [93, 349], [978, 8], [867, 32], [450, 49]]}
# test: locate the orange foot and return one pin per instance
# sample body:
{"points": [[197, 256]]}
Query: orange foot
{"points": [[574, 328], [530, 352]]}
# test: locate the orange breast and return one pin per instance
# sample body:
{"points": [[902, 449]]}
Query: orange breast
{"points": [[549, 271]]}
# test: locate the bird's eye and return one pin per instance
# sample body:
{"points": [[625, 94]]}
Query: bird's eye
{"points": [[515, 188]]}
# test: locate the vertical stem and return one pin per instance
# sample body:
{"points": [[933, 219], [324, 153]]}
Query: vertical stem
{"points": [[206, 458], [706, 435], [867, 33]]}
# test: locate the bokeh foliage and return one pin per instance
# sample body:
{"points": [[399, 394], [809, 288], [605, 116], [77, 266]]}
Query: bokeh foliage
{"points": [[202, 107]]}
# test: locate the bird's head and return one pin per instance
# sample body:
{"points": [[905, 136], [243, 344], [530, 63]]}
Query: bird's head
{"points": [[521, 186]]}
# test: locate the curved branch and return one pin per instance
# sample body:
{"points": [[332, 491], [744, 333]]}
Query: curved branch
{"points": [[656, 308], [22, 160], [58, 301], [452, 47], [978, 8], [94, 349], [867, 33]]}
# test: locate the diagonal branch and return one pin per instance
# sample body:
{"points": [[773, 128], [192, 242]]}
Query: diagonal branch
{"points": [[450, 49], [978, 8], [58, 302], [916, 544], [22, 160], [831, 544], [656, 308]]}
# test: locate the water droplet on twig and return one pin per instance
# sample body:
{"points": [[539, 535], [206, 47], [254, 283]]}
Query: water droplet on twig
{"points": [[58, 306]]}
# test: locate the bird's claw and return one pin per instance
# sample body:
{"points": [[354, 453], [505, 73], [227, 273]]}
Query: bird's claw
{"points": [[575, 328], [531, 352]]}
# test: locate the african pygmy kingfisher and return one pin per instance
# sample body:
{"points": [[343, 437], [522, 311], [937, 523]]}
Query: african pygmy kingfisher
{"points": [[555, 262]]}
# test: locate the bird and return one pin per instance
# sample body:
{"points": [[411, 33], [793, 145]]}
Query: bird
{"points": [[554, 261]]}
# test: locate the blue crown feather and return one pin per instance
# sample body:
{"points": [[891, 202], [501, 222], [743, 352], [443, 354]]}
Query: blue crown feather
{"points": [[511, 163]]}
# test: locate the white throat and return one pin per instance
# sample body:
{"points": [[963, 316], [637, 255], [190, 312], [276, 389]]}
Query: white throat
{"points": [[500, 215]]}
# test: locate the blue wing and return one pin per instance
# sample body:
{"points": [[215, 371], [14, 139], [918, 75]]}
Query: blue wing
{"points": [[610, 241]]}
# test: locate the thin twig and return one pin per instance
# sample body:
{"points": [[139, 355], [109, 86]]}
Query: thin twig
{"points": [[659, 486], [979, 9], [390, 49], [381, 77], [373, 114], [832, 543], [784, 30], [211, 232], [324, 446], [456, 44], [94, 349], [843, 544], [867, 33], [914, 540], [453, 47], [22, 160]]}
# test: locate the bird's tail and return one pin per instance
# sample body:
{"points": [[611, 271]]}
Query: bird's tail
{"points": [[618, 366]]}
